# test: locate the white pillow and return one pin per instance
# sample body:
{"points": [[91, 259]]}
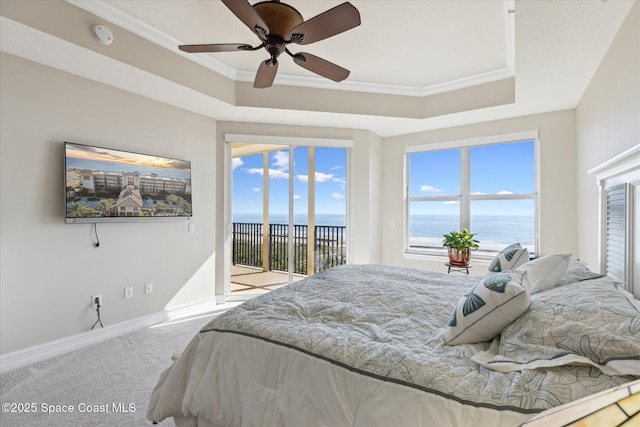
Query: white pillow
{"points": [[509, 258], [488, 307], [545, 272]]}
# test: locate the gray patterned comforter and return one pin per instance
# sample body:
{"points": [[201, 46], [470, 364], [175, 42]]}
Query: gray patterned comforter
{"points": [[389, 323]]}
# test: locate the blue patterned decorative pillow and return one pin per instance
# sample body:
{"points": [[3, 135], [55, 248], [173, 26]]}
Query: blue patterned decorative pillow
{"points": [[509, 258], [488, 307]]}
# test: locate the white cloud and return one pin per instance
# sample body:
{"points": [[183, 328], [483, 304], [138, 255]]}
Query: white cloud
{"points": [[477, 193], [255, 189], [296, 196], [430, 189], [236, 161], [336, 167], [337, 196], [451, 202], [273, 173], [278, 174], [281, 160], [323, 177], [505, 192], [320, 177]]}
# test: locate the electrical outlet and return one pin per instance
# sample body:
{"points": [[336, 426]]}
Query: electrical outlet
{"points": [[128, 292], [93, 300], [148, 288]]}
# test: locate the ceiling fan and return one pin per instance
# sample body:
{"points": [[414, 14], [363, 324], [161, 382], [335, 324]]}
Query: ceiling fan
{"points": [[277, 24]]}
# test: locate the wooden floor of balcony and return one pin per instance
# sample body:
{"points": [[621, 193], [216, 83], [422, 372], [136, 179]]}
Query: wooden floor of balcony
{"points": [[251, 280]]}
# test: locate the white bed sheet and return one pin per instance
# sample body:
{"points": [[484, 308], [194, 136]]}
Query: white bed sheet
{"points": [[290, 388]]}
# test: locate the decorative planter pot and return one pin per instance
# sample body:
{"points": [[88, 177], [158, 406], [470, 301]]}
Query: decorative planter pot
{"points": [[459, 256]]}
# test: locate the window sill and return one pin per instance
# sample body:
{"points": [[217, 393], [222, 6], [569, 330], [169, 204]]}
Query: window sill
{"points": [[439, 255], [480, 263]]}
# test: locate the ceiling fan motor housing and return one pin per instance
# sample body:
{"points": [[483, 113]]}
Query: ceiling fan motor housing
{"points": [[277, 25], [279, 17]]}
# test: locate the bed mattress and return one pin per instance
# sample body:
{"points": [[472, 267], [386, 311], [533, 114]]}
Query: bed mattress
{"points": [[356, 345]]}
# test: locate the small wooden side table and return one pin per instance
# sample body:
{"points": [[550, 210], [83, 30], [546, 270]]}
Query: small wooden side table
{"points": [[460, 268]]}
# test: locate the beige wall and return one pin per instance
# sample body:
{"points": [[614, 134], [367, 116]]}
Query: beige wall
{"points": [[557, 195], [44, 296], [607, 124], [50, 269], [184, 268]]}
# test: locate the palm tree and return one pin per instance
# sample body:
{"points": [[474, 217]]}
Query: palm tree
{"points": [[161, 209], [80, 210], [105, 206], [182, 204]]}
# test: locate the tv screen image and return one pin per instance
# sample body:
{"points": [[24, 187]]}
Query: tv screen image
{"points": [[107, 185]]}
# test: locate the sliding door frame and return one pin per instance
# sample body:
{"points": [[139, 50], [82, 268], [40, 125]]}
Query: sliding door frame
{"points": [[291, 143]]}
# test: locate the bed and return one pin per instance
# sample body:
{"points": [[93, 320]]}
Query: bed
{"points": [[376, 345]]}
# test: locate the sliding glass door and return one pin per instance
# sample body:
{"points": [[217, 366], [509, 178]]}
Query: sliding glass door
{"points": [[288, 214]]}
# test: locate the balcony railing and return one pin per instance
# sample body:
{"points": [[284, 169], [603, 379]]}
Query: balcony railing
{"points": [[329, 246]]}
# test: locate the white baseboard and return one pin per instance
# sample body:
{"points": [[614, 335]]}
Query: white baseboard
{"points": [[37, 353]]}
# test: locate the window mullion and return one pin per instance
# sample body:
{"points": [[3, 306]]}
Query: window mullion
{"points": [[465, 214]]}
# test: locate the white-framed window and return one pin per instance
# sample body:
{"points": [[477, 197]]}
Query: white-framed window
{"points": [[487, 185]]}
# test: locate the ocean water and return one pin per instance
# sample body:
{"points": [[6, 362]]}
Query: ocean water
{"points": [[493, 231], [298, 219]]}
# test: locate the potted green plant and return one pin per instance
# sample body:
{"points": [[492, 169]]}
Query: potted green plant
{"points": [[459, 245]]}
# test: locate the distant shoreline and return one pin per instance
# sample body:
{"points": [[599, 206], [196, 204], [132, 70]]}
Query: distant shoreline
{"points": [[493, 231]]}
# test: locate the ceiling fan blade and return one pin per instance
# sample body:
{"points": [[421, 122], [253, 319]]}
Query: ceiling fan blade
{"points": [[201, 48], [321, 66], [334, 21], [266, 74], [247, 14]]}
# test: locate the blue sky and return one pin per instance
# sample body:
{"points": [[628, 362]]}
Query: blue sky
{"points": [[330, 180], [494, 169]]}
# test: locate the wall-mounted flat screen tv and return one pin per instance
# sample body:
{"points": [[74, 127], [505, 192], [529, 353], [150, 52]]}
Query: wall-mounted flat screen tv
{"points": [[107, 185]]}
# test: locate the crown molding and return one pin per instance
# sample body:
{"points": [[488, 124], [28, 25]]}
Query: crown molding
{"points": [[106, 11], [379, 88], [622, 163]]}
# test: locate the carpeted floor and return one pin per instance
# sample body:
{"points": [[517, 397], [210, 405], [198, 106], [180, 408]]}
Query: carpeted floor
{"points": [[107, 384]]}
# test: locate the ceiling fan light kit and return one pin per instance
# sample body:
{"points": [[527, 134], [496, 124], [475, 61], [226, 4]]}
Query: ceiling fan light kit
{"points": [[277, 25]]}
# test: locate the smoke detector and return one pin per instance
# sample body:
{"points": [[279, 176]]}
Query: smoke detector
{"points": [[102, 34]]}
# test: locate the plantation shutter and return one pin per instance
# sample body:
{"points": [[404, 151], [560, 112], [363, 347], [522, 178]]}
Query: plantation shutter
{"points": [[615, 242]]}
